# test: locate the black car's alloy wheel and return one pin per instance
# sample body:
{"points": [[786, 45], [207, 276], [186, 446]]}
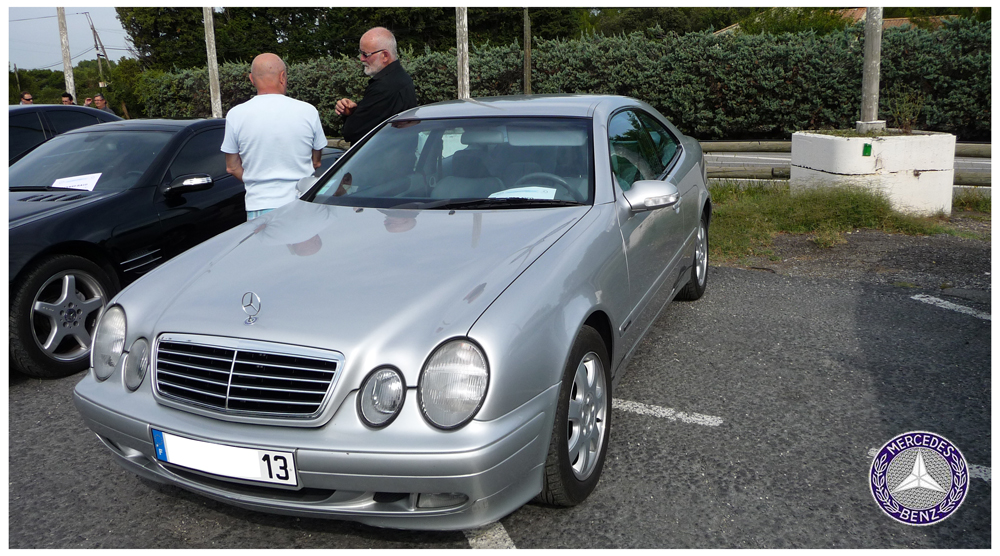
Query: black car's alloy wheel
{"points": [[582, 426], [53, 315]]}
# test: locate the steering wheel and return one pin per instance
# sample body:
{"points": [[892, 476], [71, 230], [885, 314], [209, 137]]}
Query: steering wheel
{"points": [[559, 182]]}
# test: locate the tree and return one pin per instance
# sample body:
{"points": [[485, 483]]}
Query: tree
{"points": [[776, 21], [165, 38], [617, 21]]}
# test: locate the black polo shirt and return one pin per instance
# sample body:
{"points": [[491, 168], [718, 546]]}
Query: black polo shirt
{"points": [[388, 93]]}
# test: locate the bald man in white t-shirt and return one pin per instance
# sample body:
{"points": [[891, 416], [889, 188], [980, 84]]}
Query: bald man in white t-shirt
{"points": [[272, 141]]}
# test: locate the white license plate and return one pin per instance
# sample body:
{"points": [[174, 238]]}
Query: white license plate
{"points": [[250, 464]]}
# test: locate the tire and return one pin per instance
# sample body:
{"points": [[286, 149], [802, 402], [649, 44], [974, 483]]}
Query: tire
{"points": [[582, 425], [53, 315], [695, 287]]}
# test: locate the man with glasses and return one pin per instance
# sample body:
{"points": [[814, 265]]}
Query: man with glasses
{"points": [[27, 98], [389, 92], [100, 103]]}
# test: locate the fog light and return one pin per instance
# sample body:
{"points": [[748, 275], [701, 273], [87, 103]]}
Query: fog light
{"points": [[136, 364], [441, 500]]}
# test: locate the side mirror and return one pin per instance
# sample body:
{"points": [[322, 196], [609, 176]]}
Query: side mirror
{"points": [[189, 183], [304, 184], [651, 195]]}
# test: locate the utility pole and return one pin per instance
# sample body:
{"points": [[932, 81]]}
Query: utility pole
{"points": [[213, 63], [99, 47], [462, 40], [67, 60], [17, 78], [869, 81], [527, 53]]}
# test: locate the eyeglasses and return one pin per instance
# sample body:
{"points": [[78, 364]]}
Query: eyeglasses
{"points": [[366, 55], [29, 100]]}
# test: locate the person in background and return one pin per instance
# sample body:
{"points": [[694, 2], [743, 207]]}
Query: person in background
{"points": [[67, 99], [389, 92], [27, 98], [100, 103], [272, 141]]}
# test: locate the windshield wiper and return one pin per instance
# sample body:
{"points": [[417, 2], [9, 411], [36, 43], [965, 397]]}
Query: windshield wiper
{"points": [[501, 202]]}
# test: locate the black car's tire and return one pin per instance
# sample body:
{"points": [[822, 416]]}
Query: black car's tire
{"points": [[582, 426], [695, 287], [53, 315]]}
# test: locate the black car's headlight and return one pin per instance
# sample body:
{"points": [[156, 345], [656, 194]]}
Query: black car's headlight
{"points": [[381, 397], [136, 364], [453, 384], [109, 342]]}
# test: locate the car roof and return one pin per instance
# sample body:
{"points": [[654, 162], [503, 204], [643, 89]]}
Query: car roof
{"points": [[150, 125], [581, 106], [58, 108]]}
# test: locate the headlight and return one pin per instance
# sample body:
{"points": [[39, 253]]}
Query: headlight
{"points": [[136, 364], [381, 397], [453, 384], [109, 342]]}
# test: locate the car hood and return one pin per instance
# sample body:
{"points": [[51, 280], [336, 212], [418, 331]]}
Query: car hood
{"points": [[372, 281], [26, 206]]}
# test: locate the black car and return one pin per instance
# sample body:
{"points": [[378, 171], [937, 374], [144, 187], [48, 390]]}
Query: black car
{"points": [[30, 126], [92, 210]]}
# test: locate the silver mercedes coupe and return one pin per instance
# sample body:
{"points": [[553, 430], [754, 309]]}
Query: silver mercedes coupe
{"points": [[430, 336]]}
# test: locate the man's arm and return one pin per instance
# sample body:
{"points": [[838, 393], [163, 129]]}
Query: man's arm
{"points": [[234, 165], [317, 158]]}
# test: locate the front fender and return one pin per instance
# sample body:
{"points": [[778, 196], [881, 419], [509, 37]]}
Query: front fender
{"points": [[528, 331]]}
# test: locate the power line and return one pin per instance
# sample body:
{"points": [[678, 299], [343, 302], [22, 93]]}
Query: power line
{"points": [[44, 17], [73, 58]]}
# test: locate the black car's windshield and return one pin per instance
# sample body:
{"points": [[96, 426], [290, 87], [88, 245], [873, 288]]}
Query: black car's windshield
{"points": [[468, 163], [89, 161]]}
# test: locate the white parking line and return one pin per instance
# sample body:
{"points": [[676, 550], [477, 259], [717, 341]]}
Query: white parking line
{"points": [[489, 537], [975, 471], [667, 413], [948, 305]]}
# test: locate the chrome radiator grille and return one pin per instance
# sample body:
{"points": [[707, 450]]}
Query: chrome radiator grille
{"points": [[237, 380]]}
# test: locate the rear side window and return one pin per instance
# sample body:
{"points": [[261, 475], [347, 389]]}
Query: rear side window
{"points": [[664, 143], [201, 155], [25, 133], [66, 120]]}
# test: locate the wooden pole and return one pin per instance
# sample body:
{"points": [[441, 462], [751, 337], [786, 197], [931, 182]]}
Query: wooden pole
{"points": [[67, 60], [462, 41], [213, 63], [870, 79], [527, 53]]}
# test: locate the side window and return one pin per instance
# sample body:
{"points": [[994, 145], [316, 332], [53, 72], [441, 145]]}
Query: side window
{"points": [[201, 155], [665, 144], [633, 153], [66, 120], [25, 133]]}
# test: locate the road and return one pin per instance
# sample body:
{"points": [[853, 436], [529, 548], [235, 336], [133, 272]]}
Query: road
{"points": [[745, 421], [721, 160]]}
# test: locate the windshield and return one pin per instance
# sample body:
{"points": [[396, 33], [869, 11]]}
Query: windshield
{"points": [[90, 161], [467, 163]]}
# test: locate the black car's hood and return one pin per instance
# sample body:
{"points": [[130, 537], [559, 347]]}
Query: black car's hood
{"points": [[27, 206]]}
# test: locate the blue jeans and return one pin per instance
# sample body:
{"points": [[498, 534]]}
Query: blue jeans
{"points": [[251, 214]]}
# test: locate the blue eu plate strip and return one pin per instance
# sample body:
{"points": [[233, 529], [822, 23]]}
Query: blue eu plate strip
{"points": [[161, 448]]}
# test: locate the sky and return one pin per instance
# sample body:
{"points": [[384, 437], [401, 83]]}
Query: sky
{"points": [[34, 43]]}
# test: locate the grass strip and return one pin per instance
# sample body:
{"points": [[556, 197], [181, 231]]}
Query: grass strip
{"points": [[746, 217]]}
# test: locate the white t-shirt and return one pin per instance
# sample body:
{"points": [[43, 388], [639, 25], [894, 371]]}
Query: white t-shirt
{"points": [[275, 137]]}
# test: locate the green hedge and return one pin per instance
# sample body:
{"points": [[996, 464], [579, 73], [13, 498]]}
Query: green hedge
{"points": [[711, 87]]}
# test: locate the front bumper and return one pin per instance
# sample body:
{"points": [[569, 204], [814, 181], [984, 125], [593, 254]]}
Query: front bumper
{"points": [[345, 471]]}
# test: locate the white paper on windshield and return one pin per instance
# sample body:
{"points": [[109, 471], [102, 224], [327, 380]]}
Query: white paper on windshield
{"points": [[533, 192], [84, 183]]}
